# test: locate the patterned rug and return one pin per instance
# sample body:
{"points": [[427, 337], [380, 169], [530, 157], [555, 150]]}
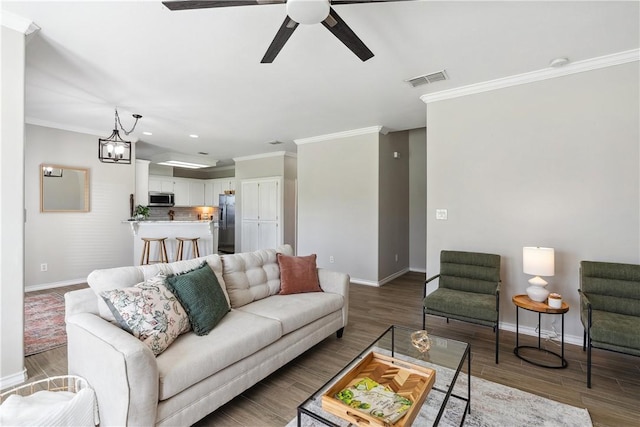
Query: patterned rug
{"points": [[492, 405], [44, 326]]}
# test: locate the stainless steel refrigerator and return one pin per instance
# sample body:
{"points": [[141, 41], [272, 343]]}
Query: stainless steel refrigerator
{"points": [[227, 224]]}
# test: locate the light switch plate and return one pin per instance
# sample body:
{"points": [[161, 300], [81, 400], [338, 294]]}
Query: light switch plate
{"points": [[441, 214]]}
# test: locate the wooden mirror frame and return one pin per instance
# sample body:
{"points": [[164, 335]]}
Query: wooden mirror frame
{"points": [[74, 197]]}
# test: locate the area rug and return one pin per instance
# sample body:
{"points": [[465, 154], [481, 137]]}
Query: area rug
{"points": [[492, 405], [44, 326]]}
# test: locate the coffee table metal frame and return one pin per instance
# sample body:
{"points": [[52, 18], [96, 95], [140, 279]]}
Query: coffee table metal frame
{"points": [[524, 302], [466, 354]]}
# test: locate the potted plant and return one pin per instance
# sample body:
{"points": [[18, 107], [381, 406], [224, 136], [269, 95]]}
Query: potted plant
{"points": [[141, 213]]}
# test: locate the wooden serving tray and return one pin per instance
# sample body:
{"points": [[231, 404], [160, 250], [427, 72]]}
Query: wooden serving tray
{"points": [[406, 379]]}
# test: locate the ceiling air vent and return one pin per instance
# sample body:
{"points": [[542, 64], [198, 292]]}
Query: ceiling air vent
{"points": [[427, 78]]}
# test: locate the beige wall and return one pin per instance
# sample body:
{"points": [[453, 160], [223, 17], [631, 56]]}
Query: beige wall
{"points": [[418, 199], [73, 244], [338, 204], [393, 187], [554, 163], [12, 369]]}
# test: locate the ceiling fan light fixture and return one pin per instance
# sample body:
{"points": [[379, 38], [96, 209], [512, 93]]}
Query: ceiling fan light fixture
{"points": [[308, 11]]}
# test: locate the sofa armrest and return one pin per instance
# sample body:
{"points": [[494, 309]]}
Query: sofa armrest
{"points": [[337, 283], [119, 367], [585, 309], [80, 301]]}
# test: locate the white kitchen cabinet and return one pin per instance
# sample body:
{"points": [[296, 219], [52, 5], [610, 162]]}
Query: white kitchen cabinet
{"points": [[181, 192], [261, 206], [161, 183], [196, 192], [215, 187]]}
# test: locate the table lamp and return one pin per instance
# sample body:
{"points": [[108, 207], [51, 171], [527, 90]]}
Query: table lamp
{"points": [[538, 262]]}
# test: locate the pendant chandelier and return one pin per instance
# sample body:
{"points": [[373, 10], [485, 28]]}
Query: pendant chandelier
{"points": [[114, 149]]}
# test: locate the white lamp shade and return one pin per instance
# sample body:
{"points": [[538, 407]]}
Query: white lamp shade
{"points": [[538, 261]]}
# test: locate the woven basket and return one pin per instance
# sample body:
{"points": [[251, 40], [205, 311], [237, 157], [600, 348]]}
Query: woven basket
{"points": [[80, 414]]}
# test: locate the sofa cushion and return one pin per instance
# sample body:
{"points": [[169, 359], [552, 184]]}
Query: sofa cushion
{"points": [[192, 358], [298, 274], [252, 276], [150, 312], [124, 277], [296, 310], [202, 297]]}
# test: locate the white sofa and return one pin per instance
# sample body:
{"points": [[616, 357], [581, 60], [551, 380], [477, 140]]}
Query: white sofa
{"points": [[197, 374]]}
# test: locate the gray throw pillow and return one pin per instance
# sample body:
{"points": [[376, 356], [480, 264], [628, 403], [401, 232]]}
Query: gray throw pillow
{"points": [[200, 294]]}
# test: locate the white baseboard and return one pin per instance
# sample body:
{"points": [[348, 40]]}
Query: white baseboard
{"points": [[42, 286], [13, 379], [545, 333], [364, 282], [380, 282], [418, 270]]}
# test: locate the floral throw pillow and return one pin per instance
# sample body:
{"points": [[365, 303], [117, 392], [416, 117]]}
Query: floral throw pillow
{"points": [[150, 312]]}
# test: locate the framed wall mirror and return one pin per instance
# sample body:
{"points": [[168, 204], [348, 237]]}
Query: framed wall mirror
{"points": [[63, 188]]}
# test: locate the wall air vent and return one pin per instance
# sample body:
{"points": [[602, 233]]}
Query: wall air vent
{"points": [[427, 78]]}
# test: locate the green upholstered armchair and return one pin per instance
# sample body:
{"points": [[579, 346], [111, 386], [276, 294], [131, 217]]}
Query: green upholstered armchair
{"points": [[468, 290], [609, 308]]}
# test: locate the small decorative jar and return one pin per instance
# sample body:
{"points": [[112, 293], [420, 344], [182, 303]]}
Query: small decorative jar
{"points": [[555, 300], [420, 340]]}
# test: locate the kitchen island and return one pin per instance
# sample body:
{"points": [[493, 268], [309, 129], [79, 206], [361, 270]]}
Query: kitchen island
{"points": [[207, 231]]}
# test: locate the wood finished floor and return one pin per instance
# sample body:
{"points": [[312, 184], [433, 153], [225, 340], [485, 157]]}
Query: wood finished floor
{"points": [[613, 401]]}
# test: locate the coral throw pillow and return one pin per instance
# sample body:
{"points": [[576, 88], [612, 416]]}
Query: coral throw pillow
{"points": [[298, 274]]}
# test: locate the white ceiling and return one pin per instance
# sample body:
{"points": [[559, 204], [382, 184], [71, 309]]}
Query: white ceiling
{"points": [[199, 71]]}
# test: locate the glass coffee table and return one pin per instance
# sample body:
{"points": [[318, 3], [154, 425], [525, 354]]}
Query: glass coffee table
{"points": [[446, 357]]}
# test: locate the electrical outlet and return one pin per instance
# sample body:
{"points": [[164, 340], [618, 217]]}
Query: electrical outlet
{"points": [[331, 259], [44, 267], [442, 214]]}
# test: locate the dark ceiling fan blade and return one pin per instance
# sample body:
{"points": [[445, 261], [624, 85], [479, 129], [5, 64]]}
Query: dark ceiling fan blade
{"points": [[283, 34], [204, 4], [341, 30]]}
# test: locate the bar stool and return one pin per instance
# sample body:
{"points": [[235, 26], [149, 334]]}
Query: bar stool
{"points": [[146, 248], [195, 251]]}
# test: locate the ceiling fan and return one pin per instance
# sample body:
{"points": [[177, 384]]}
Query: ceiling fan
{"points": [[298, 12]]}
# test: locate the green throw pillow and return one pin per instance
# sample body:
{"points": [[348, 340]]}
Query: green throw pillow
{"points": [[200, 294]]}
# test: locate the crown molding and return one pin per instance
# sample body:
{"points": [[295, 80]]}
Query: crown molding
{"points": [[345, 134], [62, 126], [262, 156], [18, 23], [535, 76]]}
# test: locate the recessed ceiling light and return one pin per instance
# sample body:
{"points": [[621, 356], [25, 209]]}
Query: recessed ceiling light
{"points": [[147, 133], [193, 135], [186, 165]]}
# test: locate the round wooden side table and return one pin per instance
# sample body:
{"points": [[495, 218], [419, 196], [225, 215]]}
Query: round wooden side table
{"points": [[523, 301]]}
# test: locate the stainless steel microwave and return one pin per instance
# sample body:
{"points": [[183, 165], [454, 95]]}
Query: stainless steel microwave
{"points": [[157, 198]]}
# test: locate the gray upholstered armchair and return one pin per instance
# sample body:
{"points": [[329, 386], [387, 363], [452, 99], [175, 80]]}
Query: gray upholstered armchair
{"points": [[468, 290], [609, 308]]}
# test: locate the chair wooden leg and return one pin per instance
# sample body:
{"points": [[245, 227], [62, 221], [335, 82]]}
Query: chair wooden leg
{"points": [[584, 340], [196, 250], [339, 332], [164, 256]]}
